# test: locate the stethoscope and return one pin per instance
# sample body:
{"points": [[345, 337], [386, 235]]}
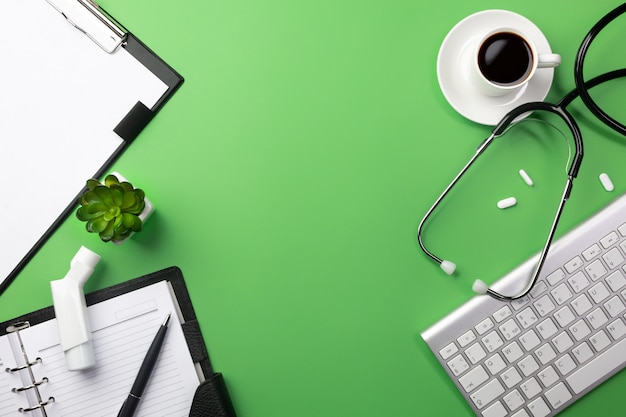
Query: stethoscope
{"points": [[560, 109]]}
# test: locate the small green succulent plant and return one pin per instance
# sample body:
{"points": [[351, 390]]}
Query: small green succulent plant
{"points": [[111, 208]]}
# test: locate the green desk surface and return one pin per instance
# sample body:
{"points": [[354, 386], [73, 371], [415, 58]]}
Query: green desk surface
{"points": [[289, 175]]}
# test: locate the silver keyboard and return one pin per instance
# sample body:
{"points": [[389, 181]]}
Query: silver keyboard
{"points": [[537, 355]]}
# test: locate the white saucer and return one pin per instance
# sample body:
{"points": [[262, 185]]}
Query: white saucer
{"points": [[454, 55]]}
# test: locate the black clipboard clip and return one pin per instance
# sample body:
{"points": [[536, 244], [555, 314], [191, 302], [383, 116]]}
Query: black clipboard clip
{"points": [[89, 18]]}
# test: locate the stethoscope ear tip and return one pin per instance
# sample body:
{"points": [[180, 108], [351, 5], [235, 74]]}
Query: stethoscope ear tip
{"points": [[479, 287], [448, 267]]}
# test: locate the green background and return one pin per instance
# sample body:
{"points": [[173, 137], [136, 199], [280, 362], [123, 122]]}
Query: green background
{"points": [[289, 175]]}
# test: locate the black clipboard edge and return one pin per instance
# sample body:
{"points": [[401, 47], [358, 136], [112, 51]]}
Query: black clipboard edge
{"points": [[140, 115]]}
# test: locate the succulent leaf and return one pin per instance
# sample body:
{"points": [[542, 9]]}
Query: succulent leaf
{"points": [[111, 208]]}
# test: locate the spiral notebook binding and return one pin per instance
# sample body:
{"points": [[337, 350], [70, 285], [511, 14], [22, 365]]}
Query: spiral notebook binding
{"points": [[34, 384]]}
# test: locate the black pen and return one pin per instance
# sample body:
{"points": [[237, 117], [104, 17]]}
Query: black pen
{"points": [[129, 406]]}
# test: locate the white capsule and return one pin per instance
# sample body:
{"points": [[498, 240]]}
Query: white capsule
{"points": [[606, 182], [526, 177], [507, 202]]}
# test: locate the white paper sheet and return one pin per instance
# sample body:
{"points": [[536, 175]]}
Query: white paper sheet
{"points": [[61, 98]]}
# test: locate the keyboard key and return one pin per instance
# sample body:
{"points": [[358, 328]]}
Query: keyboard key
{"points": [[475, 353], [578, 281], [521, 413], [581, 304], [580, 330], [512, 352], [548, 376], [609, 240], [466, 338], [495, 410], [545, 353], [597, 318], [458, 365], [519, 303], [502, 314], [528, 365], [544, 305], [514, 400], [600, 341], [558, 395], [614, 306], [617, 329], [555, 276], [599, 292], [492, 390], [529, 340], [616, 280], [565, 364], [582, 353], [561, 294], [613, 258], [448, 351], [563, 342], [492, 341], [573, 264], [622, 229], [564, 316], [546, 328], [484, 326], [527, 317], [530, 388], [510, 329], [605, 362], [596, 270], [591, 252], [495, 364], [473, 378], [511, 377], [539, 408], [539, 288]]}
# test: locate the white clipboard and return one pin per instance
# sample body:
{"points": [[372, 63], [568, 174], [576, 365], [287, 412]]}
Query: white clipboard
{"points": [[69, 106]]}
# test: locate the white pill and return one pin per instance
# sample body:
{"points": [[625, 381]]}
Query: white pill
{"points": [[526, 178], [507, 202], [606, 182]]}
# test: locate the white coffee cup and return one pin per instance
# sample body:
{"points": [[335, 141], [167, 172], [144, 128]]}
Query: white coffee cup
{"points": [[505, 59]]}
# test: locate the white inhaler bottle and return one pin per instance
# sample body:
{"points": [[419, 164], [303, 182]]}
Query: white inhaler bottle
{"points": [[71, 311]]}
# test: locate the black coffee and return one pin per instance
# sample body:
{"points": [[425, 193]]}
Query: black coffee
{"points": [[505, 58]]}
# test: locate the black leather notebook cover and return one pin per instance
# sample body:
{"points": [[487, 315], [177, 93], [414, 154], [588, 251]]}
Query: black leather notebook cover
{"points": [[211, 398]]}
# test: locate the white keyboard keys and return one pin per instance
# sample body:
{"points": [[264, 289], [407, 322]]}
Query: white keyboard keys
{"points": [[511, 377], [548, 376], [458, 365], [558, 395], [597, 318], [596, 270], [613, 258], [514, 400], [475, 353], [487, 393], [448, 351], [565, 365], [573, 264], [495, 364], [617, 329], [600, 341], [561, 294], [466, 338], [495, 410], [605, 362], [582, 353], [473, 378], [512, 352], [578, 281], [539, 408], [614, 306], [580, 330], [502, 314], [484, 326], [616, 280], [544, 305], [530, 388], [599, 292], [591, 252]]}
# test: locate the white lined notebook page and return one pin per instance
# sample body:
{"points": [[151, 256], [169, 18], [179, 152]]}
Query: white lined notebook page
{"points": [[122, 330]]}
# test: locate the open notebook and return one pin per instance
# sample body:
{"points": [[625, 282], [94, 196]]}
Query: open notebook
{"points": [[124, 321]]}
